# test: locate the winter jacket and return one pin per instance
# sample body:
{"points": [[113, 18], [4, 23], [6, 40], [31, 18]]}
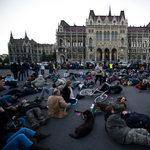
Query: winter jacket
{"points": [[117, 128], [66, 93], [38, 82], [56, 106], [136, 120], [98, 70]]}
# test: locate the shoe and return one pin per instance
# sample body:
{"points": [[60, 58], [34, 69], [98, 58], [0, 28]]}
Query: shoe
{"points": [[78, 88], [35, 126], [139, 90], [35, 146], [41, 98], [45, 121]]}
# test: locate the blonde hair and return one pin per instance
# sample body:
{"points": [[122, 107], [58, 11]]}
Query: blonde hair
{"points": [[68, 83]]}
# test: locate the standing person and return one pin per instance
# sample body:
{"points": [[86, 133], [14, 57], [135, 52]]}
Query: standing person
{"points": [[20, 69], [50, 66], [110, 68], [54, 68], [121, 133], [67, 93], [42, 68], [26, 67], [14, 69], [73, 65], [99, 70], [36, 69], [56, 65], [68, 66]]}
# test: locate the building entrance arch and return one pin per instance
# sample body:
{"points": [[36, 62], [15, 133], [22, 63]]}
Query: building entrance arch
{"points": [[99, 54], [114, 55], [106, 54], [62, 58]]}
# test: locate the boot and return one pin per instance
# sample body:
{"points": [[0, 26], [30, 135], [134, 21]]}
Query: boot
{"points": [[35, 146], [39, 136]]}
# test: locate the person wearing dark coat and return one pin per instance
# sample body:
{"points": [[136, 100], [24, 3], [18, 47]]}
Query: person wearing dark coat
{"points": [[30, 109], [136, 120], [67, 93], [121, 133], [14, 70], [20, 69]]}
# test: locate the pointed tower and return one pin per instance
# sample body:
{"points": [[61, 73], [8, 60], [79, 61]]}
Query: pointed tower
{"points": [[109, 10], [11, 37], [26, 37]]}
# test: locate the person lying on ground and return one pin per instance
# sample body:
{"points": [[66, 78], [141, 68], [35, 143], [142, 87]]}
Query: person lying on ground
{"points": [[6, 100], [32, 110], [136, 120], [121, 133], [118, 106]]}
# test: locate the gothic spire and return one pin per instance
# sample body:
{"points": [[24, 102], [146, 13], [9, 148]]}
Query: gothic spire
{"points": [[109, 10]]}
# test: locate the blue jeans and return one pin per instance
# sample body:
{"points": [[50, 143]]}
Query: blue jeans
{"points": [[42, 72], [75, 84], [26, 73], [20, 137], [50, 71], [48, 91], [37, 72]]}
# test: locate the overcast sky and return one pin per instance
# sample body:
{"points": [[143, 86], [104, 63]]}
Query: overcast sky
{"points": [[40, 18]]}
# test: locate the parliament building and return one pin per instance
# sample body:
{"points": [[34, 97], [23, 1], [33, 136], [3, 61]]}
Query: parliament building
{"points": [[102, 38]]}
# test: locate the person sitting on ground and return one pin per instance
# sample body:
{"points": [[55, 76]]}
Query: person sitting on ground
{"points": [[124, 80], [118, 106], [72, 76], [108, 79], [121, 133], [136, 120], [89, 76], [66, 74], [143, 86], [6, 100], [112, 89], [39, 82], [30, 109], [67, 93], [57, 106], [28, 82], [10, 81], [88, 72]]}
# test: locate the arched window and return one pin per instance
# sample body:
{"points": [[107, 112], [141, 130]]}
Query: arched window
{"points": [[90, 42], [97, 36], [116, 35], [112, 35], [105, 35], [100, 34], [108, 35], [90, 22]]}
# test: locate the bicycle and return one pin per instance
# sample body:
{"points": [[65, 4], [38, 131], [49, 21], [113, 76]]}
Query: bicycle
{"points": [[101, 96]]}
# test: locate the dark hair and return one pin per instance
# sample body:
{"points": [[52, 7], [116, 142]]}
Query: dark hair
{"points": [[108, 109], [125, 116]]}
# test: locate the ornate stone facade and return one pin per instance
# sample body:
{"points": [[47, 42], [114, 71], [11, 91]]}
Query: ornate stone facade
{"points": [[25, 49], [103, 38]]}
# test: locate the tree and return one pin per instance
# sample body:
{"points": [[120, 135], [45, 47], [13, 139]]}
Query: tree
{"points": [[6, 60], [43, 56], [1, 60]]}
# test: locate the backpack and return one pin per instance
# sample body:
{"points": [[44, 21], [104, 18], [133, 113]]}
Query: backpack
{"points": [[13, 126]]}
